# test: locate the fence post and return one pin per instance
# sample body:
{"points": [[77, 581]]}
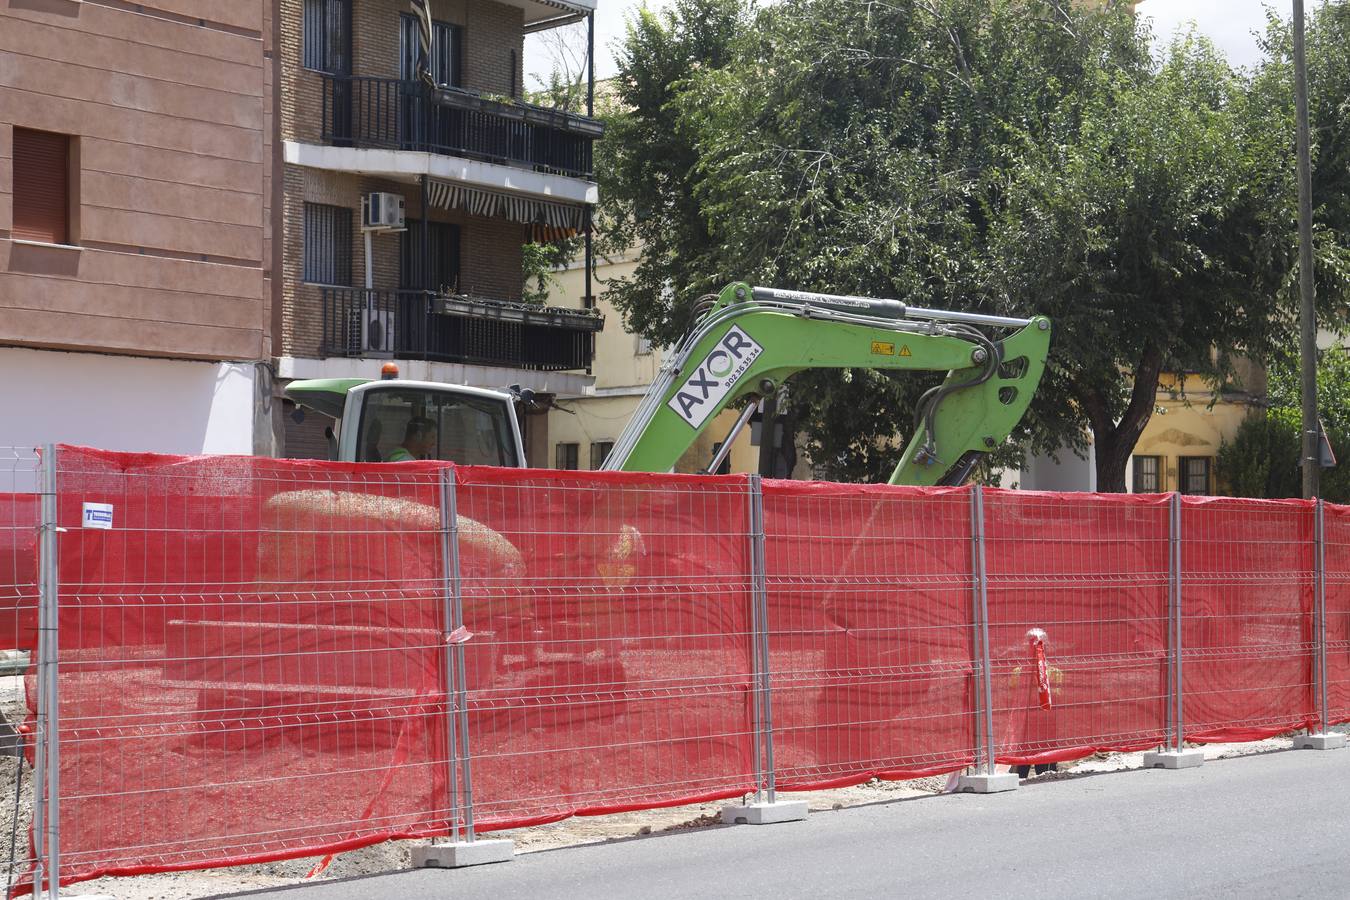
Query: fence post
{"points": [[47, 752], [470, 851], [1323, 738], [1174, 756], [986, 782], [765, 809], [450, 593]]}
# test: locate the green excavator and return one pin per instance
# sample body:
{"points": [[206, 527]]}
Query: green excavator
{"points": [[746, 342]]}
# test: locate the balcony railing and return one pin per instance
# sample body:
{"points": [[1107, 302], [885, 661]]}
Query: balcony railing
{"points": [[386, 113], [424, 325]]}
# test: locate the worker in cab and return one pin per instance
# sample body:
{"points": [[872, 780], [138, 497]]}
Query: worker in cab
{"points": [[419, 438]]}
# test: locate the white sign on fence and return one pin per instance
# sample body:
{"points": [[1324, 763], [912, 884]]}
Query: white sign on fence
{"points": [[98, 515]]}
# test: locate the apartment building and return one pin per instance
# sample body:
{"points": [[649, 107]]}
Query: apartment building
{"points": [[403, 209], [134, 198]]}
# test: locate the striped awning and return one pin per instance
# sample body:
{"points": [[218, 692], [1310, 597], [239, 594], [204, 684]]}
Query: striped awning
{"points": [[559, 219]]}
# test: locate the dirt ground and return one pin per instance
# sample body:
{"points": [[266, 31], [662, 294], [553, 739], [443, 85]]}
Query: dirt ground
{"points": [[570, 832]]}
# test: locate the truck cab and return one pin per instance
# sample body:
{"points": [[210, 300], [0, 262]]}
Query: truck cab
{"points": [[395, 420]]}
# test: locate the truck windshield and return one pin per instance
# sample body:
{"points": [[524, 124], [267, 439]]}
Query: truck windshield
{"points": [[399, 424]]}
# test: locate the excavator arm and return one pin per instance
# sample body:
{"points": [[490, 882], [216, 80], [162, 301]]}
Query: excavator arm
{"points": [[752, 339]]}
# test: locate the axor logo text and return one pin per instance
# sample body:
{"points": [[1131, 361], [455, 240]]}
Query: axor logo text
{"points": [[712, 379]]}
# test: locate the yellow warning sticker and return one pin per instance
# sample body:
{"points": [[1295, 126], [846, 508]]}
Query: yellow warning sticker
{"points": [[881, 348], [904, 350]]}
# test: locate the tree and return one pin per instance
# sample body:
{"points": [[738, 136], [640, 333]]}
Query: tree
{"points": [[648, 162], [1016, 156], [1262, 458], [1152, 235]]}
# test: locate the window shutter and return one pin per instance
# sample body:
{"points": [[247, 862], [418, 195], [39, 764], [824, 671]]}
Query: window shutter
{"points": [[41, 186]]}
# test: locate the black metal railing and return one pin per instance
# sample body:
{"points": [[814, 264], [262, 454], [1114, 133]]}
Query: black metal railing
{"points": [[391, 114], [425, 325]]}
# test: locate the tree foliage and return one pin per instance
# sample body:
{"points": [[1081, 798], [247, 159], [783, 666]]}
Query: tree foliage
{"points": [[1262, 458], [1010, 156]]}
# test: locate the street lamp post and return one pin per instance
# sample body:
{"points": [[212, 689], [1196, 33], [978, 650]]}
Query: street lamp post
{"points": [[1307, 290]]}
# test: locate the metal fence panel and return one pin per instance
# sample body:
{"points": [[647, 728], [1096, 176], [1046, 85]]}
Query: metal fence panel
{"points": [[250, 660], [19, 511], [20, 520], [1247, 617], [1078, 623], [1337, 563], [612, 670], [870, 630]]}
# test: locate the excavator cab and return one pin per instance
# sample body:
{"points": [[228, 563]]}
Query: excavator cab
{"points": [[397, 421]]}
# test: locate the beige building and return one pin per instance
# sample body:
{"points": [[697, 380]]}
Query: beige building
{"points": [[1177, 450], [135, 148], [403, 209]]}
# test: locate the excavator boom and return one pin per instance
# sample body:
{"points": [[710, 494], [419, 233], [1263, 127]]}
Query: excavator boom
{"points": [[752, 339]]}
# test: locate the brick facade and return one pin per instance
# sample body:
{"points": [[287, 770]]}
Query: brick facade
{"points": [[491, 249], [493, 39]]}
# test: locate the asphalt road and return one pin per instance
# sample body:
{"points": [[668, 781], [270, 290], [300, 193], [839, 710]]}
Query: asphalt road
{"points": [[1256, 826]]}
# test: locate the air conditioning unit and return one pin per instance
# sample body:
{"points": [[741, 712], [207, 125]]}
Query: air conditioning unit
{"points": [[383, 212], [374, 329]]}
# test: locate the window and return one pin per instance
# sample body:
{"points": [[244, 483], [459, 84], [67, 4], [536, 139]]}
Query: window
{"points": [[600, 452], [327, 44], [41, 186], [398, 424], [1147, 475], [447, 49], [444, 240], [567, 456], [1195, 474], [328, 244], [642, 346]]}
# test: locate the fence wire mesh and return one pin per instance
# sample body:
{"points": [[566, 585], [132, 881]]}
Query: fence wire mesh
{"points": [[249, 660], [613, 670], [1337, 569], [871, 637], [19, 522], [264, 659], [1248, 646], [1077, 623]]}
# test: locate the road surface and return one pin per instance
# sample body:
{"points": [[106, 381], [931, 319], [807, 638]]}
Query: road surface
{"points": [[1256, 826]]}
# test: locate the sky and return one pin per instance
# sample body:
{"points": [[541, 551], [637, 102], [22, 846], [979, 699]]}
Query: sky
{"points": [[1229, 23]]}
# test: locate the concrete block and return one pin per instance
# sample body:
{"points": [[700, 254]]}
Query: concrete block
{"points": [[764, 813], [987, 784], [1329, 740], [446, 855], [1174, 759]]}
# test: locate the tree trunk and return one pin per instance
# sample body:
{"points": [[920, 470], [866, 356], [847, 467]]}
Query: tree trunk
{"points": [[1114, 441]]}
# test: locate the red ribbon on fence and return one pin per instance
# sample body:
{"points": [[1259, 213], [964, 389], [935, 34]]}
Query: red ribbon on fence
{"points": [[1037, 639]]}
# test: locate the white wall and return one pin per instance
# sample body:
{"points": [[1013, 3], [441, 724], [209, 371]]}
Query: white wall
{"points": [[1043, 473], [125, 403]]}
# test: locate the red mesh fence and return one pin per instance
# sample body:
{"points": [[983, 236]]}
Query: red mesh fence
{"points": [[254, 655], [618, 672], [1247, 617], [1337, 577], [249, 660], [870, 631], [18, 549], [1083, 577]]}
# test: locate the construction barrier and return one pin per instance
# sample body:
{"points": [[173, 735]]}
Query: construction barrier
{"points": [[245, 659]]}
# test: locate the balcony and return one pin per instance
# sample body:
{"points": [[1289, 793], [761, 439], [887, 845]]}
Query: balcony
{"points": [[425, 325], [390, 114]]}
